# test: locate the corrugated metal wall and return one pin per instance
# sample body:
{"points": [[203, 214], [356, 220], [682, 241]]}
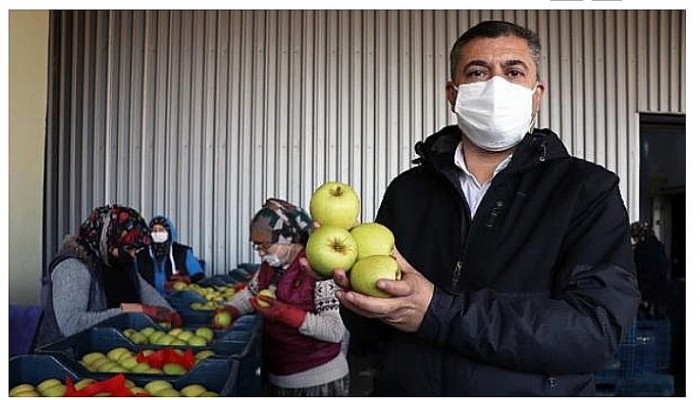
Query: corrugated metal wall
{"points": [[201, 115]]}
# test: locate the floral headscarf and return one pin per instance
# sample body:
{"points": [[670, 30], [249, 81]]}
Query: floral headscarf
{"points": [[113, 226]]}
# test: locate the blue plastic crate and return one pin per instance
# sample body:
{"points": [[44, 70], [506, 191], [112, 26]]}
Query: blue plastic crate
{"points": [[34, 368], [251, 268], [657, 335], [139, 321]]}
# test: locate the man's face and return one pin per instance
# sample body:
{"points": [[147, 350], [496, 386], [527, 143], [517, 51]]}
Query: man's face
{"points": [[508, 57]]}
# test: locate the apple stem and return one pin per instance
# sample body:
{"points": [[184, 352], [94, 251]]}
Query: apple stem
{"points": [[337, 191]]}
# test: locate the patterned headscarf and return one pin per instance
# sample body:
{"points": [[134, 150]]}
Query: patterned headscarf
{"points": [[641, 230], [109, 227], [280, 222], [161, 250]]}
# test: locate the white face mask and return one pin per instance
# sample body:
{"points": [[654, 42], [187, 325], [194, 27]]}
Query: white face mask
{"points": [[274, 261], [495, 115], [160, 237]]}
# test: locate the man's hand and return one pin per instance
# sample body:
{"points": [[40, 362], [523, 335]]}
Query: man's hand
{"points": [[406, 308]]}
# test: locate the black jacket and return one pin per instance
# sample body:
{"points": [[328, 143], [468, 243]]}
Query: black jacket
{"points": [[532, 296]]}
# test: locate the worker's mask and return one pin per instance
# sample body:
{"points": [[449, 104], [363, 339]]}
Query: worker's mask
{"points": [[496, 114], [274, 260], [160, 236]]}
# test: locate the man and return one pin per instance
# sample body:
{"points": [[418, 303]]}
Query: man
{"points": [[518, 276]]}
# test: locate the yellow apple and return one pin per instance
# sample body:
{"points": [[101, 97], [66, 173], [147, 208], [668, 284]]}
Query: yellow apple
{"points": [[330, 248], [335, 204], [367, 271], [193, 390], [265, 292], [372, 239], [24, 387]]}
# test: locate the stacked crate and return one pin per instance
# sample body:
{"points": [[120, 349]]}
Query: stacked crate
{"points": [[641, 365]]}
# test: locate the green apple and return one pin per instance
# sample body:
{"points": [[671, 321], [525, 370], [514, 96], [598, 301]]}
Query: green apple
{"points": [[153, 338], [201, 355], [140, 368], [46, 384], [54, 391], [329, 248], [197, 341], [185, 335], [367, 271], [335, 204], [164, 340], [152, 370], [174, 369], [81, 384], [24, 387], [157, 385], [167, 392], [128, 362], [175, 332], [222, 319], [128, 332], [179, 286], [96, 364], [89, 358], [147, 331], [138, 338], [111, 367], [205, 332], [194, 390], [372, 239], [26, 393], [116, 353], [265, 292]]}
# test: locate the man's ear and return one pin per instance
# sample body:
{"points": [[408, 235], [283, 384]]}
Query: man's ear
{"points": [[451, 94], [539, 94]]}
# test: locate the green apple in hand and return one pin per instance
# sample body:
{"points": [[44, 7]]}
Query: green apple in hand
{"points": [[335, 204], [329, 248], [367, 271], [372, 239]]}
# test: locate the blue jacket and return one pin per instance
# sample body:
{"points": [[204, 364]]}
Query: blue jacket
{"points": [[532, 296]]}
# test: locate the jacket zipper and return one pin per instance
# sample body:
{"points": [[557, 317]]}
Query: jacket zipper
{"points": [[456, 273]]}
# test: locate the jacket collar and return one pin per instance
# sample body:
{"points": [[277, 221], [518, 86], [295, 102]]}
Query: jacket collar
{"points": [[538, 146]]}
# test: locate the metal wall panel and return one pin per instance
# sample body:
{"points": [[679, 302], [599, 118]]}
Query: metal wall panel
{"points": [[201, 115]]}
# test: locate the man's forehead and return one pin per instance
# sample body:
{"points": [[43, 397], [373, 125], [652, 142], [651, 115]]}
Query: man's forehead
{"points": [[504, 49]]}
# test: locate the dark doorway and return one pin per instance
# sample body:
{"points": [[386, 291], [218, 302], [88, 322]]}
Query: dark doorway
{"points": [[662, 205]]}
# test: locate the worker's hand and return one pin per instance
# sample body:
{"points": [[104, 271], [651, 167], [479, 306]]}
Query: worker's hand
{"points": [[406, 308], [276, 310]]}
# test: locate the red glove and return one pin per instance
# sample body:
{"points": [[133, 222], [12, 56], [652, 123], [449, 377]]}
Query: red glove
{"points": [[162, 314], [279, 311], [220, 323], [239, 286]]}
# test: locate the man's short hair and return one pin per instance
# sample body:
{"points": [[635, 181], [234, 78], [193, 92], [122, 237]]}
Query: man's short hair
{"points": [[495, 29]]}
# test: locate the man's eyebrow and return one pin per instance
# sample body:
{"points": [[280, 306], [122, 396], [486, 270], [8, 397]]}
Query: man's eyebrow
{"points": [[514, 62]]}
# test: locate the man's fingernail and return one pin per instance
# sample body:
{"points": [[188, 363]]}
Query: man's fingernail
{"points": [[339, 294]]}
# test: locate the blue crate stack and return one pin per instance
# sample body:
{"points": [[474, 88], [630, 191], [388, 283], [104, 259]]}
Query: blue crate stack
{"points": [[641, 365]]}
